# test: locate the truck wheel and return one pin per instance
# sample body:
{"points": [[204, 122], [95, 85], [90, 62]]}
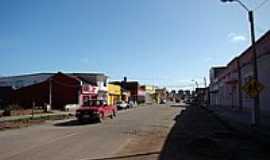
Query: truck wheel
{"points": [[81, 120], [114, 113], [100, 117]]}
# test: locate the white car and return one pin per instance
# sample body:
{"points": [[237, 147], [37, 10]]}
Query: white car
{"points": [[122, 105]]}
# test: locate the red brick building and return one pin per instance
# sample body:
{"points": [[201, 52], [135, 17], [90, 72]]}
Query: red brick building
{"points": [[64, 90], [58, 89]]}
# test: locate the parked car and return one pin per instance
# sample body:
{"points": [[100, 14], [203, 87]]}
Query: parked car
{"points": [[122, 105], [131, 104], [95, 110], [187, 100]]}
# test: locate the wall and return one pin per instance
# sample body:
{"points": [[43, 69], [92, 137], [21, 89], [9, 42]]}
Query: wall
{"points": [[114, 94], [221, 91], [264, 78], [65, 90]]}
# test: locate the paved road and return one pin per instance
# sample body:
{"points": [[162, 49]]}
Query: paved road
{"points": [[128, 134]]}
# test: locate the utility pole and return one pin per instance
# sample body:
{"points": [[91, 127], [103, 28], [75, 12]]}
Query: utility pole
{"points": [[33, 107], [256, 111], [205, 83], [255, 69], [50, 92], [197, 84]]}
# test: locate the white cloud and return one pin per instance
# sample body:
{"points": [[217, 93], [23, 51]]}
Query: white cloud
{"points": [[233, 37]]}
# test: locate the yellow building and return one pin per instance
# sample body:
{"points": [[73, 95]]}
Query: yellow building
{"points": [[114, 94], [150, 89]]}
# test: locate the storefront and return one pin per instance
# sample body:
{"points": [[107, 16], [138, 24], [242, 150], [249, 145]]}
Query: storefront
{"points": [[141, 95], [88, 92], [114, 94]]}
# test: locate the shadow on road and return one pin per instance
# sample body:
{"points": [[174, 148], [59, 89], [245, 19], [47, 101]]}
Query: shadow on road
{"points": [[139, 156], [73, 123], [178, 105], [197, 134]]}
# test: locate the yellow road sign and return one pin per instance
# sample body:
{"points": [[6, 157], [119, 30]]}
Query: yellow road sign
{"points": [[253, 88]]}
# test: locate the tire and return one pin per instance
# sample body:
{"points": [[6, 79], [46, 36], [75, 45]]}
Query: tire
{"points": [[81, 120], [114, 114], [100, 117], [111, 116]]}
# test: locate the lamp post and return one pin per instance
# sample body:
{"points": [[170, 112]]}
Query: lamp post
{"points": [[256, 112], [50, 92], [196, 84]]}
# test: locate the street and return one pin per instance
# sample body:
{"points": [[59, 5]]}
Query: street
{"points": [[135, 80], [137, 132]]}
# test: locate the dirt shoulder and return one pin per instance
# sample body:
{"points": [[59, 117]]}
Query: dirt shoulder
{"points": [[29, 121]]}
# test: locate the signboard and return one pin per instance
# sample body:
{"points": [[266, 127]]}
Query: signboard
{"points": [[89, 89], [253, 88], [141, 92], [114, 89]]}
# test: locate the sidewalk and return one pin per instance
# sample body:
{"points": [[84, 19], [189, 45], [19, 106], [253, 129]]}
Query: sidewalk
{"points": [[36, 116], [239, 117], [200, 135], [241, 123]]}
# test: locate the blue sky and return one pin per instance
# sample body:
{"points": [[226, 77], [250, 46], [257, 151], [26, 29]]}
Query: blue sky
{"points": [[163, 42]]}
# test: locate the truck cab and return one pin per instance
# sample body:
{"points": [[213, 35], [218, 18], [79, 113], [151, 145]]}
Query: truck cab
{"points": [[95, 110]]}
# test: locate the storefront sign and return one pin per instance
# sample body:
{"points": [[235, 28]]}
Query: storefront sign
{"points": [[89, 89], [141, 93]]}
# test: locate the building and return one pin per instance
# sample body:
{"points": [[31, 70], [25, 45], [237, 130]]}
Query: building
{"points": [[215, 72], [226, 83], [5, 94], [114, 94], [131, 88], [58, 89], [161, 95], [149, 93], [98, 80], [141, 94], [201, 95]]}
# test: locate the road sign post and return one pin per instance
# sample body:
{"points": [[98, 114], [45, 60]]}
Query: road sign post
{"points": [[253, 89]]}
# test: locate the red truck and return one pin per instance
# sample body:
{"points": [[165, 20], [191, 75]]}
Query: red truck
{"points": [[95, 110]]}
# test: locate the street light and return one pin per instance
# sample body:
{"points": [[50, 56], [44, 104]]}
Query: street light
{"points": [[255, 70], [196, 83]]}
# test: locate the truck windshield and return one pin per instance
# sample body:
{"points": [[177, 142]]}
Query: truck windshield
{"points": [[93, 103]]}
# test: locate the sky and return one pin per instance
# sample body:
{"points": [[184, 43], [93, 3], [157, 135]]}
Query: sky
{"points": [[161, 42]]}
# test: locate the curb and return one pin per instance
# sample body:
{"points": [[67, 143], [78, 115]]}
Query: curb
{"points": [[37, 117]]}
